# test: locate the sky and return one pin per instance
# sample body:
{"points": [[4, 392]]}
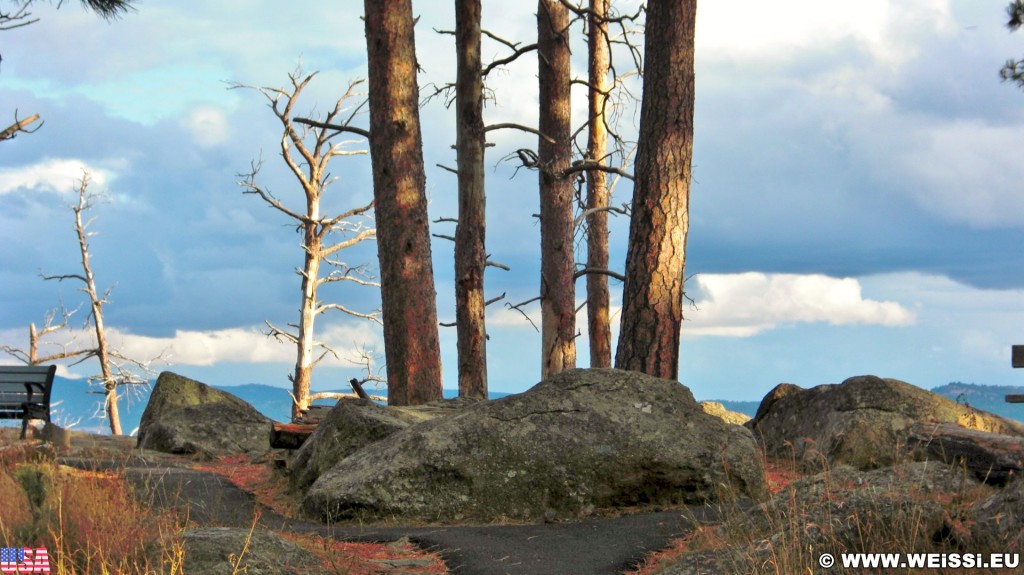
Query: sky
{"points": [[857, 203]]}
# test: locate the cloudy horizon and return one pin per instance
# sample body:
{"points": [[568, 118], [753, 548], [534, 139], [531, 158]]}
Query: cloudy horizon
{"points": [[856, 205]]}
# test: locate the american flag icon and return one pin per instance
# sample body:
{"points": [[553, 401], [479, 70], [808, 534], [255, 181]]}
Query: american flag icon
{"points": [[23, 560]]}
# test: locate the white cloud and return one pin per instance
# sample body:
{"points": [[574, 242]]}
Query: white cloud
{"points": [[55, 175], [789, 28], [208, 126], [205, 348], [742, 305], [247, 345]]}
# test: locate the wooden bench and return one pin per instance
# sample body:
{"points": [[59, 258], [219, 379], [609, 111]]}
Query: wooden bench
{"points": [[25, 392]]}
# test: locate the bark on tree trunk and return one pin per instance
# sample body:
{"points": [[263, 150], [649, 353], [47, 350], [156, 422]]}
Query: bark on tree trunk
{"points": [[598, 300], [655, 261], [470, 253], [557, 285], [408, 298]]}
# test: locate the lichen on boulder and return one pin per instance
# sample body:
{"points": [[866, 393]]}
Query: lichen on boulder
{"points": [[581, 441], [189, 417], [862, 422]]}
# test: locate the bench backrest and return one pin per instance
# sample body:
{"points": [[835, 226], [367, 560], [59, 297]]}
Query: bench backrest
{"points": [[24, 386]]}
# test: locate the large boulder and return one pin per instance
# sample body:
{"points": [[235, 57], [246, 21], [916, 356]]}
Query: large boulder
{"points": [[189, 417], [349, 426], [580, 441], [862, 422]]}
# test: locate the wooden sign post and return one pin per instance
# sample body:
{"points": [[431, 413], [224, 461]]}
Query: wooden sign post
{"points": [[1017, 359]]}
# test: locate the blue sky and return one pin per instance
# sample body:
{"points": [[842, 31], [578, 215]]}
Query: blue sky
{"points": [[857, 205]]}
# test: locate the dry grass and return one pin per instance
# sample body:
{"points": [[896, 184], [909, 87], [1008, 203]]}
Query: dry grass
{"points": [[831, 513], [91, 523]]}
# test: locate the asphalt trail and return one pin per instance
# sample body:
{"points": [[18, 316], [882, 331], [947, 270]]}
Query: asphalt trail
{"points": [[588, 547]]}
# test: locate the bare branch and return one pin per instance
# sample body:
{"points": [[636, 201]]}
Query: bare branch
{"points": [[518, 307], [20, 17], [508, 59], [336, 127], [374, 317], [279, 334], [360, 237], [494, 299], [585, 271], [623, 210], [19, 126], [587, 165], [521, 127]]}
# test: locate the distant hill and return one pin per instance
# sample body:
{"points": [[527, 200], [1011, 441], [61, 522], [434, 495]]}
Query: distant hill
{"points": [[73, 402], [991, 398]]}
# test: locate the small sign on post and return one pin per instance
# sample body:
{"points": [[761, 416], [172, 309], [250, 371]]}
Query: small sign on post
{"points": [[1017, 359]]}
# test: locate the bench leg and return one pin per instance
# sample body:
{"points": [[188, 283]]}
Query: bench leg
{"points": [[24, 427]]}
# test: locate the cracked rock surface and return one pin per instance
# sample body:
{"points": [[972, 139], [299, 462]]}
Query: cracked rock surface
{"points": [[582, 441]]}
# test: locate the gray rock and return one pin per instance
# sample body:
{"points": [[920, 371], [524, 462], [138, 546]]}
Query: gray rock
{"points": [[219, 551], [348, 427], [999, 520], [583, 440], [190, 417], [861, 422]]}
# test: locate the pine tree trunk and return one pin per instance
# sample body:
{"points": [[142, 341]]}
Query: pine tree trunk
{"points": [[470, 254], [408, 298], [598, 300], [656, 257], [557, 286]]}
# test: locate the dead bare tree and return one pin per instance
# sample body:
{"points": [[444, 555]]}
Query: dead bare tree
{"points": [[37, 339], [116, 370], [307, 150]]}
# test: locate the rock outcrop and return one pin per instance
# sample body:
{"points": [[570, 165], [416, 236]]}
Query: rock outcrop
{"points": [[189, 417], [580, 441], [862, 422], [999, 520], [219, 551], [349, 426]]}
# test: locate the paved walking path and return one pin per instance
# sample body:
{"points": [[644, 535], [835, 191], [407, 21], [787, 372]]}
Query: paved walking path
{"points": [[588, 547]]}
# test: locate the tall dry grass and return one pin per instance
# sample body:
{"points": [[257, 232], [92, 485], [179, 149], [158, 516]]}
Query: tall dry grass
{"points": [[90, 523]]}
